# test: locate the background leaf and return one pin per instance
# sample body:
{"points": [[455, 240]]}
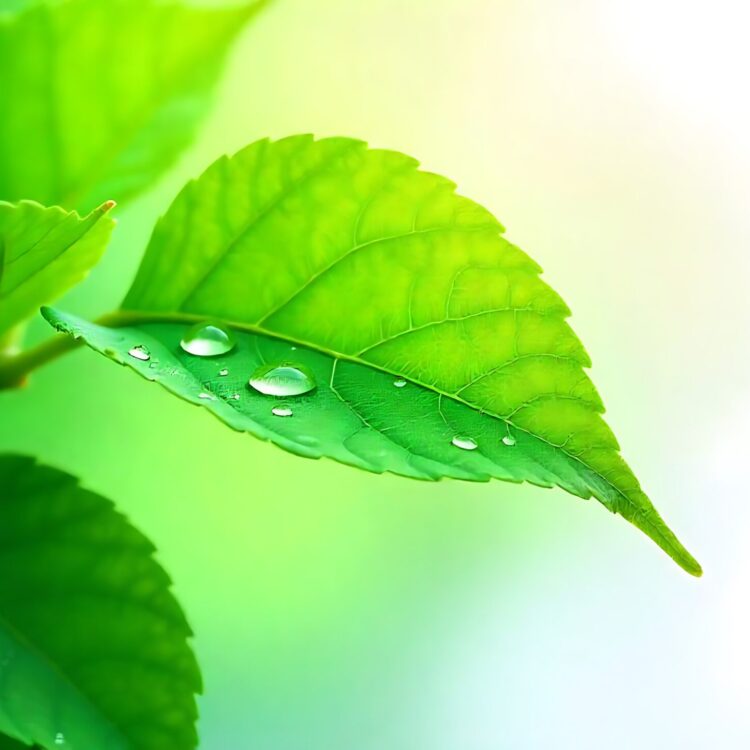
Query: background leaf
{"points": [[93, 650], [100, 98], [356, 254], [44, 252]]}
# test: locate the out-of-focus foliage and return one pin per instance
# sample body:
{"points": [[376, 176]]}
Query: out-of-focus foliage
{"points": [[99, 98]]}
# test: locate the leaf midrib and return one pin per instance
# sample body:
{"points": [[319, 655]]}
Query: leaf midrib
{"points": [[125, 318], [54, 667]]}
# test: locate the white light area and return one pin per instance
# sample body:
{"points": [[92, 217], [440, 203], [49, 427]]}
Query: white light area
{"points": [[728, 642], [694, 54]]}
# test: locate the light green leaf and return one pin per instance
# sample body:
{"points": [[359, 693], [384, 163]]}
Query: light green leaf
{"points": [[44, 252], [374, 271], [98, 98], [93, 649]]}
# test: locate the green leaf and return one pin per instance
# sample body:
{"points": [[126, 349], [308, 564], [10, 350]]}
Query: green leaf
{"points": [[99, 98], [44, 252], [93, 646], [374, 271]]}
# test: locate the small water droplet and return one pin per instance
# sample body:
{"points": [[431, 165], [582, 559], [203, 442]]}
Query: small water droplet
{"points": [[509, 440], [59, 738], [282, 411], [208, 339], [206, 396], [294, 348], [235, 397], [153, 365], [140, 352], [399, 382], [282, 380], [223, 373], [465, 443]]}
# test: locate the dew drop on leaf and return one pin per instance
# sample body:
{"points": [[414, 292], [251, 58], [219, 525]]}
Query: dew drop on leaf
{"points": [[59, 738], [399, 382], [223, 373], [140, 352], [282, 411], [509, 440], [282, 380], [465, 443], [207, 339]]}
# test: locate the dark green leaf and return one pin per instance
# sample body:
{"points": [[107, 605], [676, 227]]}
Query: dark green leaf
{"points": [[93, 646], [374, 271]]}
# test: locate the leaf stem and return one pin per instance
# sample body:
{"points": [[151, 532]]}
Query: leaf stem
{"points": [[14, 369]]}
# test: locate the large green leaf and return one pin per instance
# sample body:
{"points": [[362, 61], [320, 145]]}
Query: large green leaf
{"points": [[366, 270], [98, 98], [44, 252], [93, 649]]}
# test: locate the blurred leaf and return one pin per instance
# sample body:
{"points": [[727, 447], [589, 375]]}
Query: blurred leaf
{"points": [[93, 649], [99, 98], [374, 271], [44, 252], [8, 743]]}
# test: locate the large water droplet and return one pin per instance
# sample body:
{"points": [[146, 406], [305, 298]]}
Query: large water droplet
{"points": [[282, 380], [399, 382], [282, 411], [465, 443], [140, 352], [59, 738], [208, 339], [509, 440]]}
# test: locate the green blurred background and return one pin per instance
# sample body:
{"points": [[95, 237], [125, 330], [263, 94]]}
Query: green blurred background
{"points": [[337, 610]]}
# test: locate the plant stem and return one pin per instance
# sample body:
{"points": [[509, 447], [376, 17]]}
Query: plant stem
{"points": [[14, 369]]}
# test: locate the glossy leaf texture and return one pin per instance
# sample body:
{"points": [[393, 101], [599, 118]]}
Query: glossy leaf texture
{"points": [[93, 645], [99, 98], [43, 253], [382, 272]]}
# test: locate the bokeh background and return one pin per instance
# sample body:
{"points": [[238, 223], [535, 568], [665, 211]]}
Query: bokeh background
{"points": [[336, 610]]}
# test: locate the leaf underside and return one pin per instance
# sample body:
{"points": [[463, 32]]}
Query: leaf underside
{"points": [[44, 252], [93, 646], [376, 270], [99, 98]]}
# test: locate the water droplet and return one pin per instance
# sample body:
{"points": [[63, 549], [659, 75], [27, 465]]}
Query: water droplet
{"points": [[282, 380], [235, 397], [59, 738], [399, 382], [140, 352], [206, 396], [294, 348], [208, 339], [509, 440], [223, 373], [282, 411], [465, 443]]}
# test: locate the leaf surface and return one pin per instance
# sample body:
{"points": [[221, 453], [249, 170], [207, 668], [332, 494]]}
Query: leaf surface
{"points": [[93, 646], [99, 98], [44, 252], [375, 271]]}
